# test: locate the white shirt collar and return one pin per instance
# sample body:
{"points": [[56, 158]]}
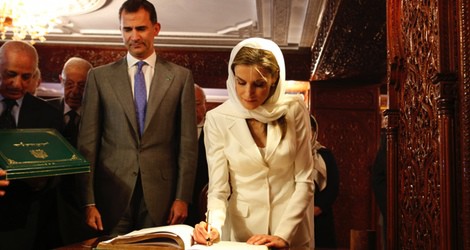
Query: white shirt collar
{"points": [[131, 61], [67, 109], [19, 101]]}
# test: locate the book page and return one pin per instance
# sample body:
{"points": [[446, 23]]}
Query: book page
{"points": [[228, 245], [185, 232]]}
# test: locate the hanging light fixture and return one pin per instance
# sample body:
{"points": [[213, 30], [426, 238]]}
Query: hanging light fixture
{"points": [[34, 19]]}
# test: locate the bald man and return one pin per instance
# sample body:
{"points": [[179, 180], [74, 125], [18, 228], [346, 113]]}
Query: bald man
{"points": [[73, 78], [200, 107], [28, 206]]}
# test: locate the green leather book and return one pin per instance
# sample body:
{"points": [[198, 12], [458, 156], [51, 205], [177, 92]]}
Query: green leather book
{"points": [[27, 153]]}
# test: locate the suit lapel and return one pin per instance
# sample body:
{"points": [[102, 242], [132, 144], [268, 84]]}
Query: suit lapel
{"points": [[62, 105], [25, 115], [123, 91], [162, 79], [273, 141], [239, 130]]}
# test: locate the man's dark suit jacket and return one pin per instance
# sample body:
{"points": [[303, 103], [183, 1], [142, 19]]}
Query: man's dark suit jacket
{"points": [[325, 235], [197, 208], [21, 194], [37, 113], [59, 103], [72, 225], [379, 177]]}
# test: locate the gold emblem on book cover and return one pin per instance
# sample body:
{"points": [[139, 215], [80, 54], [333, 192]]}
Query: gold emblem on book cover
{"points": [[39, 153]]}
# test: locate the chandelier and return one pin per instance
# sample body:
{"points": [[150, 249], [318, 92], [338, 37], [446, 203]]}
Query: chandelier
{"points": [[21, 19]]}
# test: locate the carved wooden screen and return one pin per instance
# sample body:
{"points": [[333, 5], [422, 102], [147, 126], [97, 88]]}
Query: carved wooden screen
{"points": [[427, 195]]}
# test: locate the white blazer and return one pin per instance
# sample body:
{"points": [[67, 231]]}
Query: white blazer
{"points": [[251, 194]]}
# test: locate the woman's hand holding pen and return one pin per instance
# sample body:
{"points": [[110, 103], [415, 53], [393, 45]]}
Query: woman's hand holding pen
{"points": [[202, 236]]}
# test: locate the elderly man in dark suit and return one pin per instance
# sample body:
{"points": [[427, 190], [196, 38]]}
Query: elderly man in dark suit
{"points": [[27, 208], [198, 207], [73, 79], [138, 130]]}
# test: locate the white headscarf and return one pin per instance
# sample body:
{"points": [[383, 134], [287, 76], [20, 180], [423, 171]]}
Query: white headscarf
{"points": [[277, 105]]}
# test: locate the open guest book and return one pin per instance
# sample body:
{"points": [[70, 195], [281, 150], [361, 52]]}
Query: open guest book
{"points": [[172, 237]]}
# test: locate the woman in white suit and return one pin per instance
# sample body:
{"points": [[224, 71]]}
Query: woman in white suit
{"points": [[258, 154]]}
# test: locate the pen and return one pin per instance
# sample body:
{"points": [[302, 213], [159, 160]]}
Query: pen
{"points": [[208, 239]]}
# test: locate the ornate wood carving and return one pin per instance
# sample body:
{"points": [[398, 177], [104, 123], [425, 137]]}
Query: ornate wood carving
{"points": [[395, 79], [209, 67], [463, 10], [422, 60], [340, 99], [323, 32], [392, 119], [351, 42], [53, 57], [418, 145], [446, 85], [281, 21]]}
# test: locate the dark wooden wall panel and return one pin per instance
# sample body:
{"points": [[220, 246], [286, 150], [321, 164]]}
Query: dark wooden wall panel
{"points": [[209, 66], [349, 125]]}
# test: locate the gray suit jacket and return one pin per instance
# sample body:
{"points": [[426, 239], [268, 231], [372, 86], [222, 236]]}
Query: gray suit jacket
{"points": [[166, 154]]}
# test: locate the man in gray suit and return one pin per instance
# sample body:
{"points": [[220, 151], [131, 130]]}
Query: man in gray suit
{"points": [[141, 143]]}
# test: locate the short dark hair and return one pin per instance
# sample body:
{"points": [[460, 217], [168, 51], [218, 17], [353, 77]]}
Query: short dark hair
{"points": [[134, 5]]}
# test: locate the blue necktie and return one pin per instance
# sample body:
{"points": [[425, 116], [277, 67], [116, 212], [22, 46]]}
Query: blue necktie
{"points": [[140, 96]]}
